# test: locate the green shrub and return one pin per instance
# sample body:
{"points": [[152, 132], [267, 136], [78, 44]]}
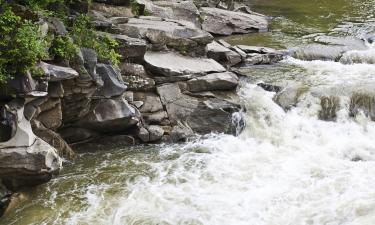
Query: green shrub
{"points": [[84, 35], [21, 45], [62, 47]]}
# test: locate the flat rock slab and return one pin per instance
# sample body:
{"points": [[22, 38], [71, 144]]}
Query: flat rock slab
{"points": [[214, 81], [222, 54], [172, 64], [225, 22]]}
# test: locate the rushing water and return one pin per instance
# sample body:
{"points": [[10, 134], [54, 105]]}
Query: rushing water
{"points": [[286, 168]]}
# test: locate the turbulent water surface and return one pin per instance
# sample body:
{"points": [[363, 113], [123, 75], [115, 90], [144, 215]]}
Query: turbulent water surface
{"points": [[286, 168]]}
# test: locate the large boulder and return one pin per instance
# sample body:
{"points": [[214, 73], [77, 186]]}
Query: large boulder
{"points": [[202, 115], [225, 22], [182, 36], [110, 115], [113, 84], [172, 64], [26, 160], [213, 81]]}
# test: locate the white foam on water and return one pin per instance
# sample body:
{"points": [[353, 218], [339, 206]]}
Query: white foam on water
{"points": [[286, 168]]}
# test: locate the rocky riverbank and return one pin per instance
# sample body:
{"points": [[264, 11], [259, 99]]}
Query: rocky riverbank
{"points": [[174, 81]]}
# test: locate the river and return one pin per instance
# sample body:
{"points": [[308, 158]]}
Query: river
{"points": [[286, 168]]}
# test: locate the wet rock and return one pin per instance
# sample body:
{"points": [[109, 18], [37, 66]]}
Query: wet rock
{"points": [[355, 56], [131, 49], [5, 198], [104, 143], [113, 84], [319, 52], [224, 22], [155, 133], [349, 42], [143, 134], [58, 73], [222, 55], [179, 35], [76, 134], [270, 87], [202, 115], [260, 50], [171, 64], [362, 103], [288, 97], [181, 132], [261, 59], [329, 107], [213, 81], [110, 115]]}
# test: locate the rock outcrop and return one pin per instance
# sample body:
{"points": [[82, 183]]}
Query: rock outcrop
{"points": [[225, 22]]}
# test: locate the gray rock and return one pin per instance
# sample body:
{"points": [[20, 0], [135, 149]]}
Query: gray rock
{"points": [[319, 52], [76, 134], [113, 84], [136, 83], [222, 55], [200, 114], [112, 10], [260, 50], [143, 134], [184, 10], [23, 83], [213, 81], [55, 90], [155, 133], [179, 35], [151, 101], [181, 132], [261, 59], [350, 42], [24, 166], [133, 69], [289, 96], [160, 118], [110, 115], [171, 64], [90, 60], [131, 49], [119, 20], [224, 22], [58, 73], [58, 26]]}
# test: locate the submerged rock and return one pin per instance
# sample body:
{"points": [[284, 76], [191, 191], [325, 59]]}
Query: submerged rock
{"points": [[329, 107], [319, 52], [224, 22]]}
